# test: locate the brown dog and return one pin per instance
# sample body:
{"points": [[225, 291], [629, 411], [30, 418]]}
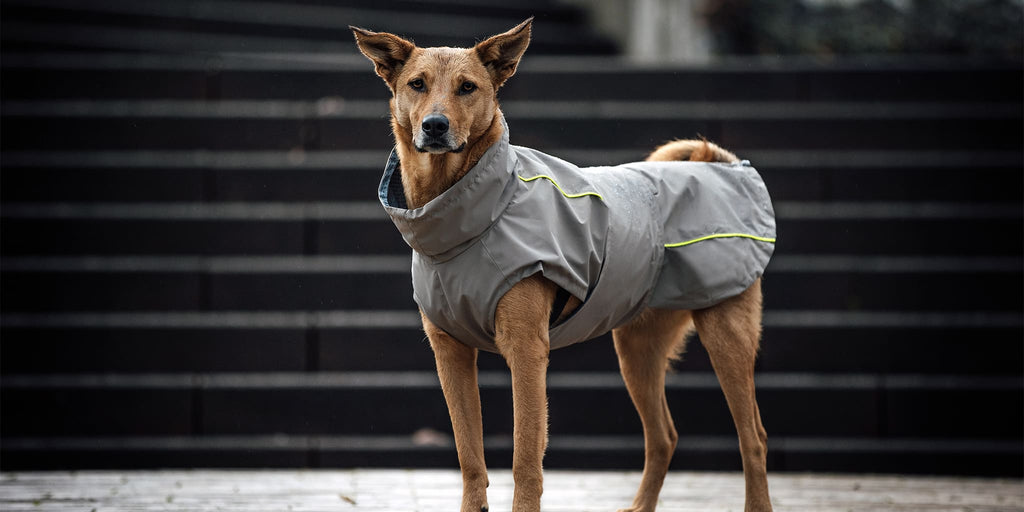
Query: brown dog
{"points": [[445, 116]]}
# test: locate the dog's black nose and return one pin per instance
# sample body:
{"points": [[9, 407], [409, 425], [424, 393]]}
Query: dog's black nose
{"points": [[435, 125]]}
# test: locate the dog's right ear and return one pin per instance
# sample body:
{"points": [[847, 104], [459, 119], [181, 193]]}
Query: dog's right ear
{"points": [[388, 52]]}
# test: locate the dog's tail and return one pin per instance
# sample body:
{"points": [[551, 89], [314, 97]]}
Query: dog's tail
{"points": [[691, 150]]}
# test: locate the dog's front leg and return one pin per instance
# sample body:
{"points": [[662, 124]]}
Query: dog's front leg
{"points": [[456, 368], [521, 334]]}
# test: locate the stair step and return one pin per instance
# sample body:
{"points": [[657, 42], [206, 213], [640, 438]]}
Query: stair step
{"points": [[967, 343], [360, 228], [238, 289], [341, 108], [244, 26], [348, 404], [349, 75], [64, 131], [192, 175]]}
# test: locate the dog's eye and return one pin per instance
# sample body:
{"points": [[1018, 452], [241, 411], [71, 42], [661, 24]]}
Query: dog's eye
{"points": [[467, 87], [417, 84]]}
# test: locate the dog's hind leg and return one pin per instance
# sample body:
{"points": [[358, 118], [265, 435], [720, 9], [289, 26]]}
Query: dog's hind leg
{"points": [[521, 334], [645, 347], [731, 331], [456, 368]]}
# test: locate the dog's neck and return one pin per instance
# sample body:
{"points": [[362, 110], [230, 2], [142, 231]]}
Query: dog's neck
{"points": [[426, 176]]}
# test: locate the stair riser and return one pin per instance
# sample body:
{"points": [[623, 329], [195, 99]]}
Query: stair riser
{"points": [[933, 237], [134, 291], [824, 350], [208, 80], [869, 413], [44, 183], [29, 133]]}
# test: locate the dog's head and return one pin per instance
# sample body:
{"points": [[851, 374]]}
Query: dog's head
{"points": [[443, 97]]}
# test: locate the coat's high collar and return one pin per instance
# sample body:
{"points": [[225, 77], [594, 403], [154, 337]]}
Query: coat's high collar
{"points": [[445, 226]]}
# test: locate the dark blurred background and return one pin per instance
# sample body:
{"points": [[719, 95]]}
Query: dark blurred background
{"points": [[195, 271]]}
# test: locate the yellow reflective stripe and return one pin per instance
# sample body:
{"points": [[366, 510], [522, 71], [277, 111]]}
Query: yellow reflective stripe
{"points": [[555, 183], [722, 235]]}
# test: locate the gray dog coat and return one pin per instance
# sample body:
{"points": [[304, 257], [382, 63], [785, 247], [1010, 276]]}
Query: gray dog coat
{"points": [[677, 235]]}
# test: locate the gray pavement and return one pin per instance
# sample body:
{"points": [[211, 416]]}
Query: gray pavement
{"points": [[439, 490]]}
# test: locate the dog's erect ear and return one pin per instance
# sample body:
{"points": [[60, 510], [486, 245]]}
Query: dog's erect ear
{"points": [[387, 51], [501, 53]]}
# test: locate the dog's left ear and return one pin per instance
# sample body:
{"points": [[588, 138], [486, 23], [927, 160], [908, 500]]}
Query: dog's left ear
{"points": [[388, 52], [501, 53]]}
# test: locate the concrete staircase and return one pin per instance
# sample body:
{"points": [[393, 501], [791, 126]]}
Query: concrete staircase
{"points": [[195, 271]]}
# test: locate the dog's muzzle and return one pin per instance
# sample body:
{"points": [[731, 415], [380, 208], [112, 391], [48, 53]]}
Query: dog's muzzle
{"points": [[434, 136]]}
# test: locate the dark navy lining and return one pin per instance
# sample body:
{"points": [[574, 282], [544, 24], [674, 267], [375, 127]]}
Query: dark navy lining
{"points": [[396, 193]]}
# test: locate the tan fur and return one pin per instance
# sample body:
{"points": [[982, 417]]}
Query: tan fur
{"points": [[645, 346], [692, 150]]}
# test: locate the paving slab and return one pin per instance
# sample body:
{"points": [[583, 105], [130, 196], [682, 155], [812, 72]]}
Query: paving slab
{"points": [[440, 490]]}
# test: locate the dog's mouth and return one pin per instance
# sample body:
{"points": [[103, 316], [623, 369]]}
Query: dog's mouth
{"points": [[436, 147], [438, 143]]}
